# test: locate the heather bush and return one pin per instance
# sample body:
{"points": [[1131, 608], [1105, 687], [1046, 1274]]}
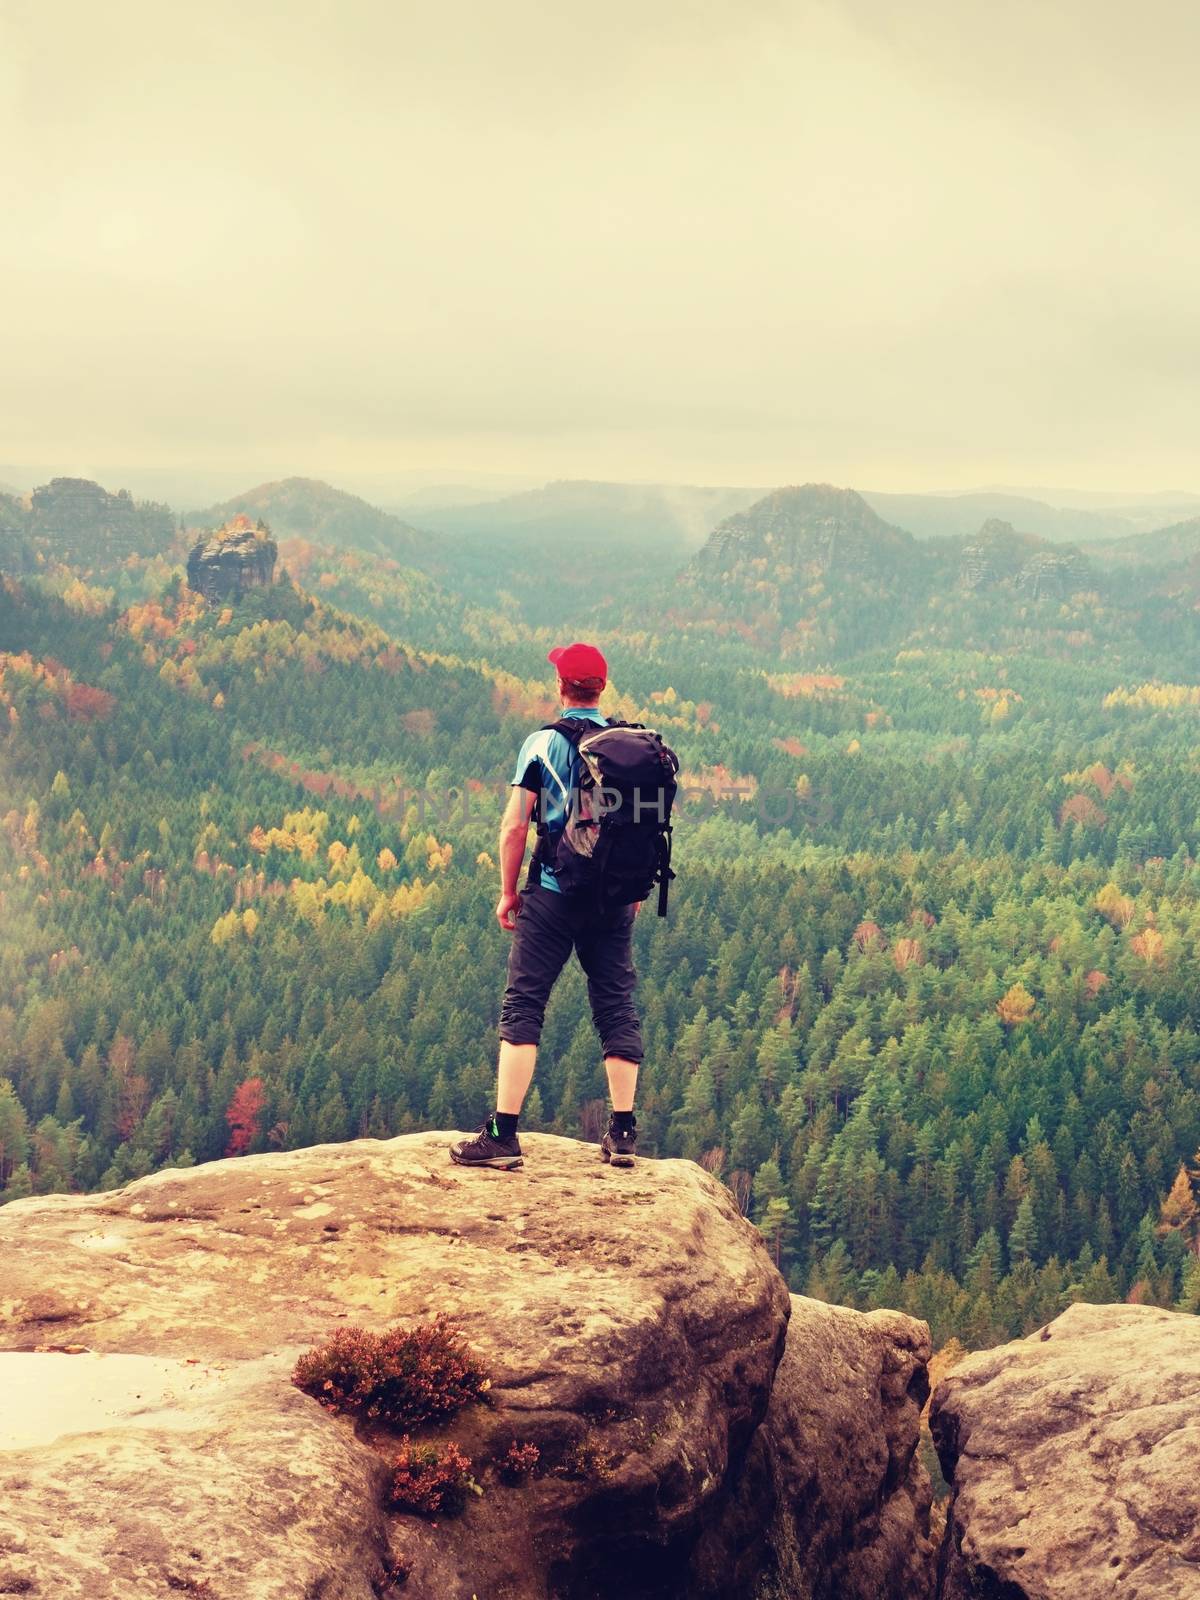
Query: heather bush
{"points": [[405, 1376], [428, 1479], [518, 1461]]}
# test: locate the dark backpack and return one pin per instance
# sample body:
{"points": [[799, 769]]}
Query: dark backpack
{"points": [[616, 842]]}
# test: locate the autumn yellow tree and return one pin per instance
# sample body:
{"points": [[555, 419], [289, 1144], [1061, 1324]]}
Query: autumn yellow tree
{"points": [[1016, 1005], [1180, 1212], [1114, 905]]}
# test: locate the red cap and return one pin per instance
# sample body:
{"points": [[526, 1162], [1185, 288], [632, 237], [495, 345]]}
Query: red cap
{"points": [[579, 662]]}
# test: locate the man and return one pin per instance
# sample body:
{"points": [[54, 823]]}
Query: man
{"points": [[546, 922]]}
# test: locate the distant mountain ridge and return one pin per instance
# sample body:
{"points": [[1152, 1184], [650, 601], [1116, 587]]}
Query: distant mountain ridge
{"points": [[1179, 542], [801, 568], [573, 510], [935, 516]]}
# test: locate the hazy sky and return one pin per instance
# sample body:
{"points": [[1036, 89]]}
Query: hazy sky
{"points": [[923, 245]]}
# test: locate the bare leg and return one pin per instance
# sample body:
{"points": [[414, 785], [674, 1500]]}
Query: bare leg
{"points": [[514, 1076], [622, 1081]]}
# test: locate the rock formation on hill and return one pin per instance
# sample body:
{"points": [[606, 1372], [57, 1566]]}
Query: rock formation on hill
{"points": [[77, 521], [1054, 574], [996, 554], [1075, 1460], [634, 1327], [999, 554], [224, 564], [16, 551]]}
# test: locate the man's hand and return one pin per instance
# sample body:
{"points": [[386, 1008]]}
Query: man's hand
{"points": [[507, 909]]}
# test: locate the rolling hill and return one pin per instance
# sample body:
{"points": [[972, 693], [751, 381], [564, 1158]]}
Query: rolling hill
{"points": [[1163, 546], [941, 516], [306, 508]]}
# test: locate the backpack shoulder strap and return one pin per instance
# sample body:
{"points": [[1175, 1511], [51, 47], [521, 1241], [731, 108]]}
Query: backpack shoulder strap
{"points": [[571, 728]]}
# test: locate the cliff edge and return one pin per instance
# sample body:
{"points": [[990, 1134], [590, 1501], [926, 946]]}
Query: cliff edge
{"points": [[636, 1332]]}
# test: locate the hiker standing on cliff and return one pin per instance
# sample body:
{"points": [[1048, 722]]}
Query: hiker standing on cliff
{"points": [[600, 792]]}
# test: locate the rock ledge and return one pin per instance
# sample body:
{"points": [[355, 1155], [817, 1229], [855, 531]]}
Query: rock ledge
{"points": [[632, 1321]]}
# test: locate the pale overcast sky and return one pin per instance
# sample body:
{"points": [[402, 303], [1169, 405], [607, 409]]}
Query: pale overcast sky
{"points": [[925, 245]]}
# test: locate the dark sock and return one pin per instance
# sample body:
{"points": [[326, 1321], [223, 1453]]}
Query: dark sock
{"points": [[623, 1122], [504, 1125]]}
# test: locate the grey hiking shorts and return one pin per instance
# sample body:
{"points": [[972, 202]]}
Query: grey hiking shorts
{"points": [[549, 925]]}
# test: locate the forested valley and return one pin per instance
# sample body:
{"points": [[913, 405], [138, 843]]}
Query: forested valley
{"points": [[928, 997]]}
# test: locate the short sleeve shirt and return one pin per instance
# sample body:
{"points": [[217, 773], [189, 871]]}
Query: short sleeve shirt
{"points": [[548, 767]]}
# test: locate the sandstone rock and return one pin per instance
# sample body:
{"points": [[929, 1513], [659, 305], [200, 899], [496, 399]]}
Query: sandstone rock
{"points": [[224, 564], [999, 555], [1075, 1460], [833, 1474], [1055, 574], [632, 1323], [995, 554], [126, 1475]]}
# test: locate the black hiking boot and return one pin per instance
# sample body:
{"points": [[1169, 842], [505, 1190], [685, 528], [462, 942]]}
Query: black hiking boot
{"points": [[485, 1150], [619, 1147]]}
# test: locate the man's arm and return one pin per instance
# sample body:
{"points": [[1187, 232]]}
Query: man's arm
{"points": [[514, 836]]}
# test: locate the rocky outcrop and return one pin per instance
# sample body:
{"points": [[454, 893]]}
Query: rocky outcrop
{"points": [[1054, 574], [78, 522], [998, 554], [632, 1323], [223, 565], [1075, 1461], [833, 1475]]}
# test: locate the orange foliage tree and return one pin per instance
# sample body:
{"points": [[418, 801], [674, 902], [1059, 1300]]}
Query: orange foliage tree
{"points": [[244, 1116]]}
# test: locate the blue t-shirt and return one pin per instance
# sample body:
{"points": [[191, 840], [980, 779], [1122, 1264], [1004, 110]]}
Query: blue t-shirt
{"points": [[548, 766]]}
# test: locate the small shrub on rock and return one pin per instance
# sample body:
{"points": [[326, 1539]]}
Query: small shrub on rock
{"points": [[404, 1377], [429, 1480], [518, 1462], [586, 1459]]}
